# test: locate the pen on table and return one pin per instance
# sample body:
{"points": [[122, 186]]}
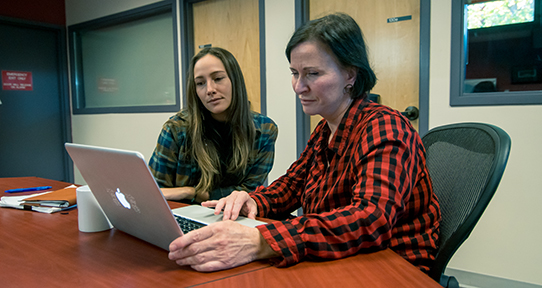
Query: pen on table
{"points": [[28, 189]]}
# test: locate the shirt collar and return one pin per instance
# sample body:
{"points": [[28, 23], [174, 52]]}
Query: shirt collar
{"points": [[340, 139]]}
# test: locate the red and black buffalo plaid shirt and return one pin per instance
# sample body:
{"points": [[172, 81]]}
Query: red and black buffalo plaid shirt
{"points": [[368, 190]]}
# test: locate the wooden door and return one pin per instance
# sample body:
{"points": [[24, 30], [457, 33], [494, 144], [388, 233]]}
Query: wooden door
{"points": [[392, 34], [234, 26]]}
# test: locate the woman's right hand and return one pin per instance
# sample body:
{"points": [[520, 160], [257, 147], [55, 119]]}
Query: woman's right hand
{"points": [[238, 202]]}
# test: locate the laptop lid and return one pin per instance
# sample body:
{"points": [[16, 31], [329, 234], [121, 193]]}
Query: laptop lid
{"points": [[130, 197], [127, 192]]}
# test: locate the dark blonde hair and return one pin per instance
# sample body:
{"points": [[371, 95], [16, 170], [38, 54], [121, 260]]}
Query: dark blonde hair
{"points": [[239, 117]]}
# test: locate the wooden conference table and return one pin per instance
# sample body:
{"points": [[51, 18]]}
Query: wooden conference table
{"points": [[46, 250]]}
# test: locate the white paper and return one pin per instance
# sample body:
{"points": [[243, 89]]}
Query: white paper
{"points": [[16, 202]]}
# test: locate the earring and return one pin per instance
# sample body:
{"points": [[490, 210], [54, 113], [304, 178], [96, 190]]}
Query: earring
{"points": [[347, 89]]}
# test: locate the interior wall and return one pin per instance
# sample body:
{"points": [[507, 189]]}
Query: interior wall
{"points": [[140, 131], [506, 241], [281, 99], [51, 11]]}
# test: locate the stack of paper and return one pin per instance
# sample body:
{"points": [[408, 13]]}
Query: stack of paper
{"points": [[46, 202]]}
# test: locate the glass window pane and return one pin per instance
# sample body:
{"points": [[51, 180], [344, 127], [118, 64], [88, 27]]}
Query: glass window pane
{"points": [[129, 64], [497, 13], [503, 47]]}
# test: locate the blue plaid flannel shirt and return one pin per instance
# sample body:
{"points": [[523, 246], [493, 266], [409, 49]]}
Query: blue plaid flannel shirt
{"points": [[171, 170]]}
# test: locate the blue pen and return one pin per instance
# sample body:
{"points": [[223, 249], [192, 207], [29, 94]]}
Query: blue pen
{"points": [[28, 189]]}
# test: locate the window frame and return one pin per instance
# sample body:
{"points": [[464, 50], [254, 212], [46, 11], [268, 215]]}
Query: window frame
{"points": [[76, 71], [457, 69]]}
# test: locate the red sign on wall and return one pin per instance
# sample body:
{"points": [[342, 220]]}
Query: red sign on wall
{"points": [[16, 80]]}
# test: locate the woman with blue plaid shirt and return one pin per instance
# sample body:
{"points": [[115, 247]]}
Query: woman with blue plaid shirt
{"points": [[217, 144]]}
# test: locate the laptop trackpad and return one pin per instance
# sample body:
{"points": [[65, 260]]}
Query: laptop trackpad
{"points": [[206, 216]]}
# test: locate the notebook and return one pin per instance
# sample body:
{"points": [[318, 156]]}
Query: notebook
{"points": [[132, 200]]}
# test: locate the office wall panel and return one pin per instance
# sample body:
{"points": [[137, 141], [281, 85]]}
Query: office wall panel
{"points": [[234, 26]]}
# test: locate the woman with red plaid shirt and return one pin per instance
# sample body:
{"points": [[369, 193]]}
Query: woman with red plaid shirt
{"points": [[362, 180]]}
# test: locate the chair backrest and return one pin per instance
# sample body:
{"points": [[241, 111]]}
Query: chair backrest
{"points": [[466, 162]]}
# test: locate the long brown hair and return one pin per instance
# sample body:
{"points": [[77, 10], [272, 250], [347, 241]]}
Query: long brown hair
{"points": [[239, 117]]}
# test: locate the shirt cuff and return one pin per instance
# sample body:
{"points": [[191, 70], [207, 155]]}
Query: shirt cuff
{"points": [[291, 248]]}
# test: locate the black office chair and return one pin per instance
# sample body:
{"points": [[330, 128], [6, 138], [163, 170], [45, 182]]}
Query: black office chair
{"points": [[466, 162]]}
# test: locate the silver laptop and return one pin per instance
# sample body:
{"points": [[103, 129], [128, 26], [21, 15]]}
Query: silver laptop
{"points": [[130, 197]]}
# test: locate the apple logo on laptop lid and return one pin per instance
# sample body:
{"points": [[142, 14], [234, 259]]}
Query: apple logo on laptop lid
{"points": [[126, 200], [122, 199]]}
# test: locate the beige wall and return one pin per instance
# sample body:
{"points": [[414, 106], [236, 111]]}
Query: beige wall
{"points": [[506, 241], [281, 99], [140, 131]]}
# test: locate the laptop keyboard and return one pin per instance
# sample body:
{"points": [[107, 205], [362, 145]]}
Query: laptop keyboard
{"points": [[187, 225]]}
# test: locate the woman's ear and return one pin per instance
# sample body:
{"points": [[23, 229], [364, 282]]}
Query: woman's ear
{"points": [[352, 74]]}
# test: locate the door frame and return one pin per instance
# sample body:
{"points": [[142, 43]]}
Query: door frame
{"points": [[62, 56], [303, 120]]}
